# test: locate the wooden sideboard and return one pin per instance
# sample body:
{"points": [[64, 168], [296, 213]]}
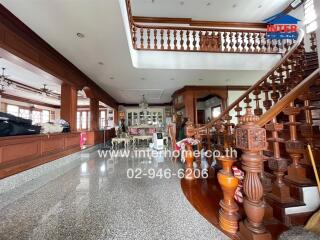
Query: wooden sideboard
{"points": [[20, 153]]}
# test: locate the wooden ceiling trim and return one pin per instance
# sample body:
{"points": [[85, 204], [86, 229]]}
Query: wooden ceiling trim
{"points": [[202, 23], [30, 101]]}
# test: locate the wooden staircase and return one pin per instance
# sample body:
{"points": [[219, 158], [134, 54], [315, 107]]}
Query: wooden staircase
{"points": [[270, 126]]}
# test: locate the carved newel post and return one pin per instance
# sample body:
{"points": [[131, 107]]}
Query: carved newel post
{"points": [[228, 213], [252, 140], [188, 154]]}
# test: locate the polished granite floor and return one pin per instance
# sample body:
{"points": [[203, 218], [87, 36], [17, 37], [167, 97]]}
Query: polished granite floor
{"points": [[97, 200]]}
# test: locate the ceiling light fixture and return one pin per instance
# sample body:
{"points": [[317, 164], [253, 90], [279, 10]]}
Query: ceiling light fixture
{"points": [[80, 35], [143, 104], [45, 91]]}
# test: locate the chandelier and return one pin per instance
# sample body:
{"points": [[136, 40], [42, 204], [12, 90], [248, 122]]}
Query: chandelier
{"points": [[143, 104], [4, 81]]}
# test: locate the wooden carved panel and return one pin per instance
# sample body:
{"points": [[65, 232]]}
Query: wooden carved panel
{"points": [[209, 43], [253, 139]]}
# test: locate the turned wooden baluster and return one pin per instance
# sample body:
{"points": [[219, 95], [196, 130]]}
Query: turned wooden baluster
{"points": [[247, 101], [200, 39], [243, 44], [228, 213], [225, 41], [286, 46], [295, 148], [155, 40], [148, 38], [213, 42], [258, 110], [267, 45], [250, 42], [161, 39], [206, 43], [181, 40], [237, 45], [231, 41], [266, 102], [255, 44], [134, 37], [271, 45], [194, 43], [313, 41], [219, 41], [229, 137], [238, 110], [281, 86], [141, 38], [188, 40], [260, 45], [175, 41], [168, 39], [279, 165], [274, 94], [307, 129], [251, 139]]}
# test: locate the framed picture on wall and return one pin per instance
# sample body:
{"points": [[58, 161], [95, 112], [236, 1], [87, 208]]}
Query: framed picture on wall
{"points": [[215, 111]]}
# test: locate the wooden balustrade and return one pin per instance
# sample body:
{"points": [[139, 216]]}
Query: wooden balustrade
{"points": [[197, 39]]}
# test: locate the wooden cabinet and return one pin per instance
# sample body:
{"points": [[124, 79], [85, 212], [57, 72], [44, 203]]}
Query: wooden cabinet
{"points": [[150, 116]]}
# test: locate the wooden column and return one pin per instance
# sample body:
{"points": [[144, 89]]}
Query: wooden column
{"points": [[69, 105], [251, 139], [94, 114], [116, 117], [189, 106]]}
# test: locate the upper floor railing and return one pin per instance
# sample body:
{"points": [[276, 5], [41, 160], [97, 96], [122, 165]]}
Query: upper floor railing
{"points": [[198, 39]]}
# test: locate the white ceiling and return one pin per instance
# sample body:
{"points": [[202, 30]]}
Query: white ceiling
{"points": [[58, 21], [211, 10]]}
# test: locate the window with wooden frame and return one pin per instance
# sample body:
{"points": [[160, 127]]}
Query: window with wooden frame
{"points": [[83, 120]]}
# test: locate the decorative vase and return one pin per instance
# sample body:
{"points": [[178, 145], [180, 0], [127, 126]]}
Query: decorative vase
{"points": [[189, 171], [228, 213]]}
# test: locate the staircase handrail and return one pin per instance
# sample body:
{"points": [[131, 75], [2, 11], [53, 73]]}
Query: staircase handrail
{"points": [[253, 87]]}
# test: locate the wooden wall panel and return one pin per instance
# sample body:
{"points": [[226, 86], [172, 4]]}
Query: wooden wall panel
{"points": [[52, 145], [20, 153], [72, 141]]}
